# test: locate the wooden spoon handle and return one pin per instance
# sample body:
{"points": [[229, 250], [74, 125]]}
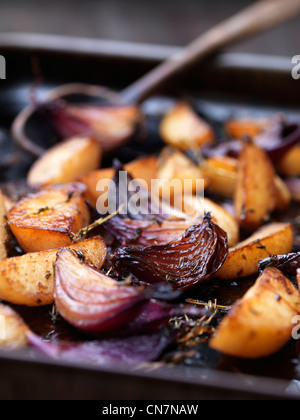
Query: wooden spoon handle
{"points": [[256, 18]]}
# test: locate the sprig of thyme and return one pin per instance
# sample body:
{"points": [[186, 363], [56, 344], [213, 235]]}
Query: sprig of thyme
{"points": [[210, 305], [75, 237]]}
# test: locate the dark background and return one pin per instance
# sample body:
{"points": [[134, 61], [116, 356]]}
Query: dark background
{"points": [[170, 22]]}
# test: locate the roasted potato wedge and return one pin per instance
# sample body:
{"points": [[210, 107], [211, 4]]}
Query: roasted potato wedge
{"points": [[65, 162], [290, 163], [47, 219], [183, 129], [260, 324], [256, 193], [283, 195], [241, 127], [178, 175], [143, 168], [28, 279], [3, 216], [13, 330], [221, 175], [242, 260]]}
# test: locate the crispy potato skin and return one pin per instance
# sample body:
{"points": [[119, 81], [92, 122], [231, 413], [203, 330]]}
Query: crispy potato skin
{"points": [[13, 330], [65, 162], [28, 279], [46, 219], [256, 193], [242, 260], [183, 129], [144, 168], [260, 324]]}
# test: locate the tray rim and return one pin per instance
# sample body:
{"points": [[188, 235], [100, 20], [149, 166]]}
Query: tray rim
{"points": [[100, 48], [244, 384], [133, 50]]}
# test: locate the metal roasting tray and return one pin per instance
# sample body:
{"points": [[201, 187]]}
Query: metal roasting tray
{"points": [[219, 87]]}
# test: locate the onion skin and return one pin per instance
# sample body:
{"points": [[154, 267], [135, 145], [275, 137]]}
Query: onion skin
{"points": [[132, 232], [184, 262], [288, 263], [123, 351], [91, 301]]}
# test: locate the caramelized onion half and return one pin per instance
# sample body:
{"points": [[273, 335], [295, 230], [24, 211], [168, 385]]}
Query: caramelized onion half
{"points": [[184, 262], [91, 301]]}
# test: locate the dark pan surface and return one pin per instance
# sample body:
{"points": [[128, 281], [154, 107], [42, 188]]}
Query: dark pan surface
{"points": [[218, 89]]}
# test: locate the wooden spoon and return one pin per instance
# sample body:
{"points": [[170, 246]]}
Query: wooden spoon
{"points": [[259, 17]]}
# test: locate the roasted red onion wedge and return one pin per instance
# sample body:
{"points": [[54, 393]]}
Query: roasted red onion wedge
{"points": [[276, 139], [156, 223], [91, 301], [142, 340], [156, 314], [288, 263], [112, 126], [184, 262]]}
